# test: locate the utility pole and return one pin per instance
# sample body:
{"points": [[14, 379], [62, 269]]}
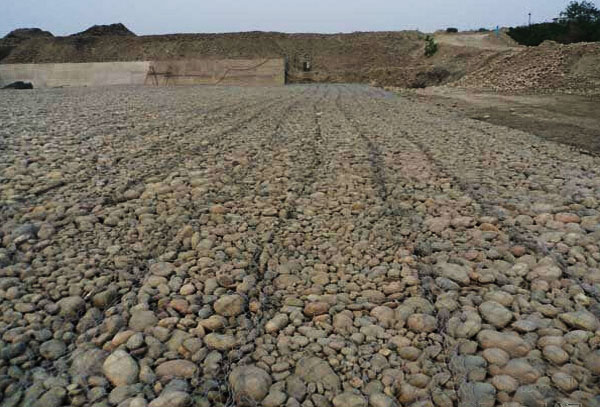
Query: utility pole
{"points": [[529, 18]]}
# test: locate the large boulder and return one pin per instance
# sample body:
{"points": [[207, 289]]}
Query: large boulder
{"points": [[177, 368], [458, 274], [513, 344], [121, 369], [229, 305], [250, 384], [87, 362], [581, 320], [71, 307], [349, 400], [314, 369]]}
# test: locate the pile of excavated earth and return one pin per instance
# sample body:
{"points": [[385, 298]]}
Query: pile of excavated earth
{"points": [[548, 68], [313, 246], [110, 30], [333, 58]]}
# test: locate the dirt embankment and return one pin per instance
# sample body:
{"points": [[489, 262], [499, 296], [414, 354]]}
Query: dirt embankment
{"points": [[380, 58], [548, 68], [335, 58], [472, 60]]}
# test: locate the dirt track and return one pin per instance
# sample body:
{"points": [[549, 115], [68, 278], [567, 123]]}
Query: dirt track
{"points": [[293, 246], [569, 119]]}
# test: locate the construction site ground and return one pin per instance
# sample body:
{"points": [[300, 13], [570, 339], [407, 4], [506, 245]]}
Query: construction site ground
{"points": [[569, 119]]}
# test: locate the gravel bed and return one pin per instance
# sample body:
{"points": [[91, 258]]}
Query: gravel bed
{"points": [[322, 245]]}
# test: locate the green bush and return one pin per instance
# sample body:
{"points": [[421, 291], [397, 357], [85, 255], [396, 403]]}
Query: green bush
{"points": [[431, 47], [483, 30], [451, 30]]}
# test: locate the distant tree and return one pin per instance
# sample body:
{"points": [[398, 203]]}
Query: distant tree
{"points": [[579, 22], [451, 30], [483, 30], [581, 11], [431, 47]]}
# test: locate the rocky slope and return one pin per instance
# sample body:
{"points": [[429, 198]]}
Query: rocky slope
{"points": [[548, 68]]}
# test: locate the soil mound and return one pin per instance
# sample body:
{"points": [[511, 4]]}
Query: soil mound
{"points": [[550, 67], [378, 58], [26, 33], [106, 30], [332, 57]]}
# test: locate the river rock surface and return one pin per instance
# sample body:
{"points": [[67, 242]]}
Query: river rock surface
{"points": [[300, 246]]}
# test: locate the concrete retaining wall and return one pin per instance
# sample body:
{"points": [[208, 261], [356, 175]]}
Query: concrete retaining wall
{"points": [[265, 72], [249, 72], [84, 74]]}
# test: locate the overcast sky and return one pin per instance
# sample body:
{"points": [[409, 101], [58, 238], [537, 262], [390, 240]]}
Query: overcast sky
{"points": [[64, 17]]}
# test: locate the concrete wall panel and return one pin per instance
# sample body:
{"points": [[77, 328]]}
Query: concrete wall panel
{"points": [[84, 74], [241, 72], [251, 72]]}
